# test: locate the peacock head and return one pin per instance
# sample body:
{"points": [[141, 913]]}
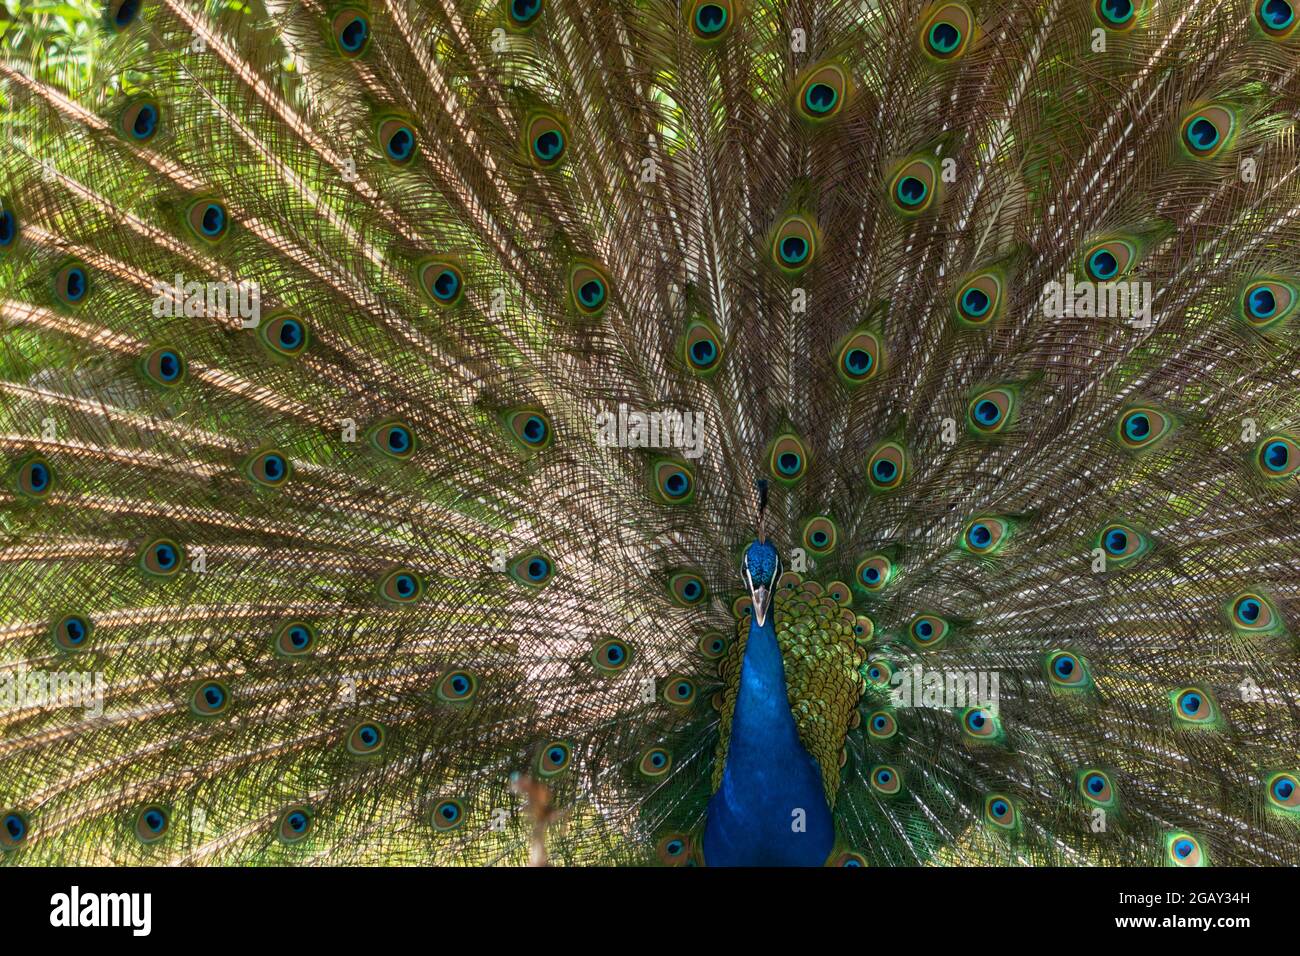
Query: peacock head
{"points": [[761, 568]]}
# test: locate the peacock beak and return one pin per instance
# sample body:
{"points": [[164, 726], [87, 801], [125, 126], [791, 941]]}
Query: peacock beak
{"points": [[761, 597]]}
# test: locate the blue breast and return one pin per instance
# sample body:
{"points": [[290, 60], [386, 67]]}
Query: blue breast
{"points": [[753, 819]]}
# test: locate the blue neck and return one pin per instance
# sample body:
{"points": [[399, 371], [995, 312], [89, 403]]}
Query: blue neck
{"points": [[768, 776]]}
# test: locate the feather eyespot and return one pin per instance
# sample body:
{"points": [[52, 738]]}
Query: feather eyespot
{"points": [[1118, 15], [72, 283], [1142, 428], [978, 300], [294, 825], [863, 629], [611, 656], [878, 673], [710, 20], [72, 632], [839, 592], [208, 220], [530, 428], [164, 366], [887, 467], [859, 358], [401, 586], [350, 28], [1095, 786], [673, 482], [139, 119], [991, 411], [1253, 613], [8, 227], [395, 136], [161, 557], [533, 570], [1122, 544], [823, 92], [946, 34], [687, 589], [151, 823], [1283, 791], [457, 687], [34, 477], [928, 631], [1208, 131], [874, 572], [522, 14], [546, 137], [985, 535], [294, 639], [679, 691], [850, 858], [1278, 457], [886, 780], [1276, 18], [820, 535], [554, 758], [270, 468], [394, 438], [913, 187], [366, 739], [1067, 671], [881, 725], [1194, 706], [442, 281], [14, 830], [1266, 303], [713, 646], [1000, 810], [794, 244], [448, 815], [675, 849], [588, 289], [980, 724], [209, 699], [120, 14], [1107, 261], [1183, 849], [655, 762], [702, 348], [284, 334], [787, 459]]}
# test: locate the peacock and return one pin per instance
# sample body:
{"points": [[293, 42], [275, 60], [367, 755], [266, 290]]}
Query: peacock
{"points": [[664, 432]]}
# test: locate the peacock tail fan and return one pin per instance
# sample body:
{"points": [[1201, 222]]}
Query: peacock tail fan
{"points": [[384, 386]]}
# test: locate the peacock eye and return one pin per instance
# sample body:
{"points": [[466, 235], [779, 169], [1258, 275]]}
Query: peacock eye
{"points": [[588, 289], [161, 557], [1143, 427], [820, 535], [702, 348], [947, 33], [546, 137], [886, 780], [712, 646], [208, 220], [1275, 18], [269, 468], [1207, 131], [1183, 849], [1095, 787], [673, 482], [611, 656], [294, 825], [401, 586], [1000, 810], [8, 226], [522, 14], [787, 459], [859, 358], [1252, 612], [152, 823], [530, 428], [991, 411], [986, 535], [1122, 543], [284, 335], [679, 691], [14, 830], [978, 299], [294, 639], [912, 188], [881, 725], [1107, 261], [120, 14], [210, 699], [655, 762], [35, 476], [448, 815], [139, 119], [874, 572], [822, 94], [351, 31], [887, 467], [72, 632], [394, 438], [532, 570], [554, 758], [441, 280], [163, 366], [710, 20], [1278, 457], [366, 739], [457, 687], [928, 631], [980, 724], [1119, 15], [674, 850], [72, 283], [794, 244], [1283, 791], [1067, 671], [687, 588], [397, 140]]}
